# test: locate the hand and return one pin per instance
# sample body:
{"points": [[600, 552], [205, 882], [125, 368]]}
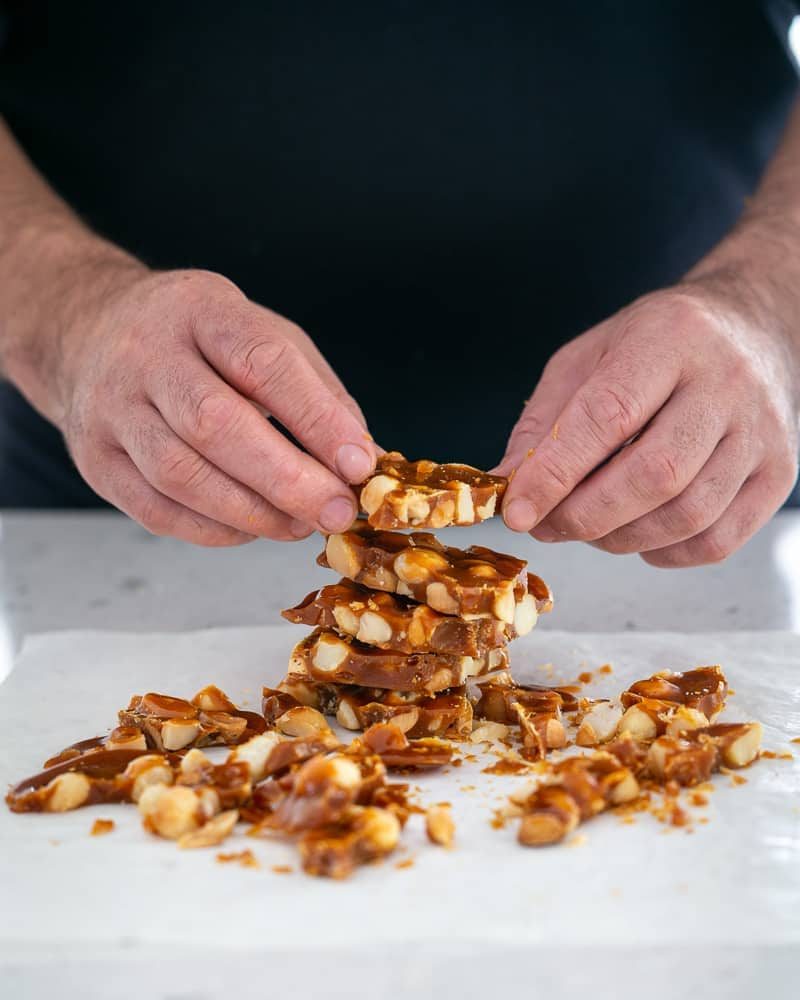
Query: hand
{"points": [[164, 390], [670, 429]]}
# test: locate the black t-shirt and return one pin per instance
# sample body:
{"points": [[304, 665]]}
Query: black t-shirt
{"points": [[441, 193]]}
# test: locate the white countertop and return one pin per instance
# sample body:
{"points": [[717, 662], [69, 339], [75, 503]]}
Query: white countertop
{"points": [[102, 571]]}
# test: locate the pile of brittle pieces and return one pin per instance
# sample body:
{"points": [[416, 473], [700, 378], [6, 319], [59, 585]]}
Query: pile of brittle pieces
{"points": [[416, 633], [410, 650]]}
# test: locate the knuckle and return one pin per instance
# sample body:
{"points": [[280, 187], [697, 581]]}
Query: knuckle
{"points": [[612, 411], [208, 415], [529, 426], [153, 515], [575, 523], [287, 490], [314, 418], [620, 542], [550, 468], [687, 515], [711, 547], [260, 363], [655, 473], [183, 470]]}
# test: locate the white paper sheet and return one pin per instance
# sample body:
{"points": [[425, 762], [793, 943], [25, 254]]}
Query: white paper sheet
{"points": [[727, 894]]}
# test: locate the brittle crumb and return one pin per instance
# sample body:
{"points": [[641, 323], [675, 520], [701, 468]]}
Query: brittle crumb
{"points": [[101, 827]]}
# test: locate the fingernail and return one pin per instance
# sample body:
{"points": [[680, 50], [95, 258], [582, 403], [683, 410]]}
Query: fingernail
{"points": [[520, 515], [353, 463], [300, 529], [337, 514]]}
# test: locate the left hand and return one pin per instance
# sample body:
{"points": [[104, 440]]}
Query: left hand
{"points": [[670, 429]]}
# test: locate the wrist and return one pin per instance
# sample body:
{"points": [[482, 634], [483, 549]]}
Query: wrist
{"points": [[62, 276]]}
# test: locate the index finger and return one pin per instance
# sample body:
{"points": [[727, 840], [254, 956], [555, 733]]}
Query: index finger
{"points": [[255, 351], [606, 411]]}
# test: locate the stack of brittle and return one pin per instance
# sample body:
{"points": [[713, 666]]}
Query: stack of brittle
{"points": [[416, 632]]}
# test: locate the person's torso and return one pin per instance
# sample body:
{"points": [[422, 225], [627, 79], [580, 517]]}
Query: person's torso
{"points": [[441, 193]]}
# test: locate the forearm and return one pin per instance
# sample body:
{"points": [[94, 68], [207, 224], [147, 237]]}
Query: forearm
{"points": [[760, 258], [51, 269]]}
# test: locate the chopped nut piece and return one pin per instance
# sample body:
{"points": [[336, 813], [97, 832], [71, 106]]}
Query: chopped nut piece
{"points": [[439, 826], [303, 722], [173, 810], [489, 732], [405, 494], [68, 791], [213, 833], [599, 724], [255, 753]]}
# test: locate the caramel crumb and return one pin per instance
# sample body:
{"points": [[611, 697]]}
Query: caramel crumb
{"points": [[507, 766], [101, 826], [606, 669], [796, 739], [245, 858], [554, 431], [698, 799], [406, 863], [586, 677], [282, 869], [456, 762], [512, 474], [738, 779], [530, 453], [498, 820]]}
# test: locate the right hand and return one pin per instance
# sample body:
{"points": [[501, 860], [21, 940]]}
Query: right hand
{"points": [[163, 390]]}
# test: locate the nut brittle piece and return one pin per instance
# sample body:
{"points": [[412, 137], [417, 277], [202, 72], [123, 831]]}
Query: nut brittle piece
{"points": [[424, 494], [691, 758], [472, 583], [355, 708], [363, 835], [326, 656], [390, 743], [497, 698], [95, 776], [322, 789], [170, 723], [389, 621], [574, 790], [703, 689]]}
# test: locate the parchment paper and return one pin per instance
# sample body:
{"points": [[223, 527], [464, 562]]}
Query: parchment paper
{"points": [[723, 897]]}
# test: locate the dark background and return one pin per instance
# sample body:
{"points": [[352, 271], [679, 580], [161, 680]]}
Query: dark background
{"points": [[440, 193]]}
